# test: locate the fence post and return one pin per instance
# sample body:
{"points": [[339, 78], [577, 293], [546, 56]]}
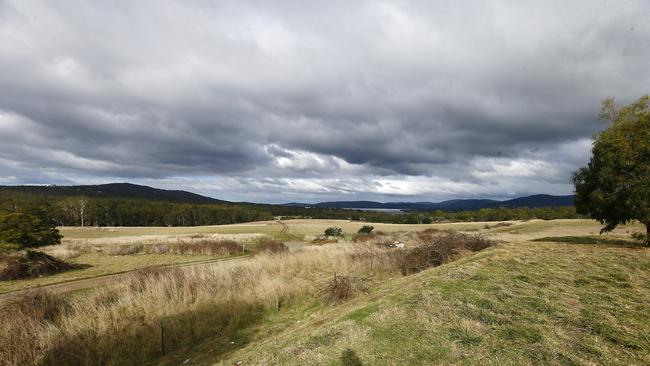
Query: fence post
{"points": [[162, 338]]}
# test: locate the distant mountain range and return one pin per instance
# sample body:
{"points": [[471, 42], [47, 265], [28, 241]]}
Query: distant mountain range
{"points": [[128, 190], [115, 190], [538, 200]]}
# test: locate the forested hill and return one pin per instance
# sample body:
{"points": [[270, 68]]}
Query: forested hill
{"points": [[114, 190], [122, 204], [539, 200]]}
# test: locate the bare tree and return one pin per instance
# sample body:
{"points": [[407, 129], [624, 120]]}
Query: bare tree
{"points": [[83, 201]]}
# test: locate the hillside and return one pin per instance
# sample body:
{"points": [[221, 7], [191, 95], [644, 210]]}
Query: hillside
{"points": [[517, 304], [114, 190], [534, 201]]}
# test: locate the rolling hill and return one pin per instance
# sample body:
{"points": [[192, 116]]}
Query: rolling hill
{"points": [[117, 190], [128, 190], [539, 200]]}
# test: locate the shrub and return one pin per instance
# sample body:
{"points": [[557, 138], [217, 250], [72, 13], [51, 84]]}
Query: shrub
{"points": [[366, 229], [334, 231], [270, 246], [341, 288], [436, 248], [476, 242], [418, 259], [34, 264], [350, 358]]}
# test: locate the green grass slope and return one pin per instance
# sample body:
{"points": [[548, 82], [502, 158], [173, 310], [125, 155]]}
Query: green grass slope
{"points": [[517, 304]]}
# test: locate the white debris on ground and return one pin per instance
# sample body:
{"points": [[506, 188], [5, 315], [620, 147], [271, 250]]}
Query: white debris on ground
{"points": [[397, 244]]}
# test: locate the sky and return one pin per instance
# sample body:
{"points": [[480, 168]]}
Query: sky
{"points": [[296, 101]]}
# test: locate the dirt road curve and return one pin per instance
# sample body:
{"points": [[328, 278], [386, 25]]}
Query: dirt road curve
{"points": [[59, 288]]}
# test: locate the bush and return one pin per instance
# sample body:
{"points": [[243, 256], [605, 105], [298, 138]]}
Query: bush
{"points": [[34, 264], [436, 248], [418, 259], [341, 288], [476, 242], [270, 246], [350, 358], [334, 231], [366, 229]]}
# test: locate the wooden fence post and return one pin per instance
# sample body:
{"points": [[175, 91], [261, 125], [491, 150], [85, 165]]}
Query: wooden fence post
{"points": [[162, 338]]}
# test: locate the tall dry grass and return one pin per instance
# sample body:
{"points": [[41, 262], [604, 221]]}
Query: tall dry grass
{"points": [[194, 244], [122, 324], [123, 321]]}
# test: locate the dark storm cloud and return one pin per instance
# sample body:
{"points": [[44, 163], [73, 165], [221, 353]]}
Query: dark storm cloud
{"points": [[374, 99]]}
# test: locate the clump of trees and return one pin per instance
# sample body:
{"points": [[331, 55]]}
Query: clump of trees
{"points": [[27, 231], [20, 231], [614, 188]]}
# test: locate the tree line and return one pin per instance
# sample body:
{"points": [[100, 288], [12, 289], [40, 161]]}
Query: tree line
{"points": [[86, 211], [93, 211]]}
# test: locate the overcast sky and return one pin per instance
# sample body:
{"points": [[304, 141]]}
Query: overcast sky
{"points": [[278, 101]]}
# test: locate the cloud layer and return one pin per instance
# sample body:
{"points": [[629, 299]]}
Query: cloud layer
{"points": [[286, 101]]}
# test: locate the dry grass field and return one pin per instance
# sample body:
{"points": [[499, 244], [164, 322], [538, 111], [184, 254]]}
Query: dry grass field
{"points": [[547, 292], [112, 255], [111, 250]]}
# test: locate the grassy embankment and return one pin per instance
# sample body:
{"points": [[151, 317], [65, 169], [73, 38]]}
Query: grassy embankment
{"points": [[519, 303]]}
